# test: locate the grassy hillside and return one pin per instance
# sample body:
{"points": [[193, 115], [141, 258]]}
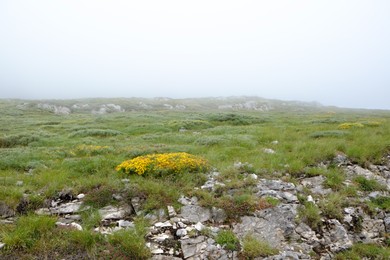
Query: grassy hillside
{"points": [[43, 152]]}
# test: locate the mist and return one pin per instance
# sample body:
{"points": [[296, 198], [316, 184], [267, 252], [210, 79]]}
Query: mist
{"points": [[333, 52]]}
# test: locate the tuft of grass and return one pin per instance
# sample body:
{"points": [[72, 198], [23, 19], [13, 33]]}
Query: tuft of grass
{"points": [[332, 206], [365, 184], [95, 132], [253, 248], [29, 231], [130, 244], [365, 251], [228, 240], [310, 214], [334, 179]]}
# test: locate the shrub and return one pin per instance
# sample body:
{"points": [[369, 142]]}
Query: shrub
{"points": [[163, 163], [350, 125], [330, 133], [252, 248], [95, 132], [228, 240], [17, 140]]}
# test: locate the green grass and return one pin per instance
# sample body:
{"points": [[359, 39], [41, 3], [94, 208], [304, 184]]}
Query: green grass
{"points": [[365, 251], [252, 248], [228, 240], [49, 153]]}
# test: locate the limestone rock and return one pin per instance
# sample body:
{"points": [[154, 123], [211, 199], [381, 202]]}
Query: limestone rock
{"points": [[335, 237], [195, 213]]}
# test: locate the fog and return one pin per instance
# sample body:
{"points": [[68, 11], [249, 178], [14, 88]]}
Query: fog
{"points": [[334, 52]]}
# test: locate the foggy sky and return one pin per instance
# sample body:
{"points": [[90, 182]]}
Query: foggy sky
{"points": [[336, 52]]}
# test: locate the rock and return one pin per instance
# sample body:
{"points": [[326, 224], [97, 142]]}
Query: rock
{"points": [[268, 150], [310, 199], [193, 247], [161, 237], [66, 195], [372, 228], [386, 222], [125, 181], [335, 237], [171, 212], [315, 185], [306, 232], [2, 245], [273, 225], [67, 208], [218, 215], [76, 226], [194, 213], [157, 251], [125, 224], [111, 212], [156, 215], [19, 183], [80, 196], [199, 226], [5, 210], [341, 159], [43, 212], [165, 224], [275, 142], [181, 232], [164, 257], [117, 197], [253, 176]]}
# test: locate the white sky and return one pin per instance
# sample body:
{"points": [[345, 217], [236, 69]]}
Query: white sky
{"points": [[336, 52]]}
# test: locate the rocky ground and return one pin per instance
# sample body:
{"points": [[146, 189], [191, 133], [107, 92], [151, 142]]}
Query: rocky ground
{"points": [[190, 233]]}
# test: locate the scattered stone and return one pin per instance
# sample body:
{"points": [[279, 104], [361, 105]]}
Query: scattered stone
{"points": [[218, 215], [181, 232], [2, 245], [199, 226], [268, 150], [315, 184], [171, 212], [5, 210], [80, 196], [335, 236], [194, 213], [274, 225], [67, 208], [76, 226], [125, 224], [19, 183], [111, 212], [193, 247]]}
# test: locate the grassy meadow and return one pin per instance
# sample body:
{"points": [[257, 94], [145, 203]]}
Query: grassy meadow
{"points": [[43, 153]]}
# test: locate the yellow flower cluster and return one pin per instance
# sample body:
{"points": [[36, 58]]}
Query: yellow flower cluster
{"points": [[163, 163], [350, 125]]}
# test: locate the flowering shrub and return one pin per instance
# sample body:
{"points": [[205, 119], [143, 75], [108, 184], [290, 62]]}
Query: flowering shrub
{"points": [[350, 125], [163, 163]]}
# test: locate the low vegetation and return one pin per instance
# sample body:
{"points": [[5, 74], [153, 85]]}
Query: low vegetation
{"points": [[158, 155]]}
